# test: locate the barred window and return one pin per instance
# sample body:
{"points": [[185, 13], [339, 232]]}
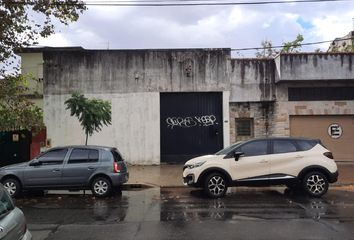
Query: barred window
{"points": [[244, 127]]}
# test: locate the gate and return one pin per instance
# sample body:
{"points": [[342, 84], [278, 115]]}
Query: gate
{"points": [[191, 125], [14, 147]]}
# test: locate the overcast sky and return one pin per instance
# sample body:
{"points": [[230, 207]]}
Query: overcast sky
{"points": [[205, 26]]}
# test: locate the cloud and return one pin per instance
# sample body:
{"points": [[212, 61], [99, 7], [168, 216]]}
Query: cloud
{"points": [[217, 26]]}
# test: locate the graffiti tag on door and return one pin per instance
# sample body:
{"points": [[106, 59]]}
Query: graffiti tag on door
{"points": [[188, 122]]}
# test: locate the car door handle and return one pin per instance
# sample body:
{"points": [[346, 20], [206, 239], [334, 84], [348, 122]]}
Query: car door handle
{"points": [[263, 161], [298, 156], [56, 170], [91, 168]]}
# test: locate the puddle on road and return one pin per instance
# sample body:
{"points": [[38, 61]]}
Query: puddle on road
{"points": [[182, 204]]}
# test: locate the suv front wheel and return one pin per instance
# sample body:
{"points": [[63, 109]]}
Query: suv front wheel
{"points": [[215, 185], [315, 184]]}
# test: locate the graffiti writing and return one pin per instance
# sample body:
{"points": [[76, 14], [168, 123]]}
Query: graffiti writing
{"points": [[187, 122]]}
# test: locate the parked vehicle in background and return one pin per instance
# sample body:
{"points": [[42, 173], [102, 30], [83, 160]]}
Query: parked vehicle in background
{"points": [[12, 221], [100, 169], [295, 162]]}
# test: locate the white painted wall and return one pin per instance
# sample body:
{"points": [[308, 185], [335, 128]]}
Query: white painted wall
{"points": [[135, 128], [225, 112]]}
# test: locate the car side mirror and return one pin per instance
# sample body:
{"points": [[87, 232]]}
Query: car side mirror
{"points": [[35, 162], [237, 155]]}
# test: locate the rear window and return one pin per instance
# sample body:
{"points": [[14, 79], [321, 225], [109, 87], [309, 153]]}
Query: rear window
{"points": [[6, 204], [305, 145], [83, 156], [283, 146], [117, 156]]}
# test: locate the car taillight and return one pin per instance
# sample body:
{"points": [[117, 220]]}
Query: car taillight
{"points": [[116, 167], [328, 154]]}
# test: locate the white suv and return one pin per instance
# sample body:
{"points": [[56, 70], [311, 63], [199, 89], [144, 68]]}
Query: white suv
{"points": [[295, 162]]}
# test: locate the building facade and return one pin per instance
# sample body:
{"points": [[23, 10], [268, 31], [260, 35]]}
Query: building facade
{"points": [[173, 104]]}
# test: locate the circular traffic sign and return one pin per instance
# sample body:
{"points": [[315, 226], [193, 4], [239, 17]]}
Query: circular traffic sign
{"points": [[335, 130]]}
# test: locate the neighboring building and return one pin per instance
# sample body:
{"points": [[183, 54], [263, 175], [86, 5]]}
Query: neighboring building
{"points": [[21, 145], [173, 104], [343, 44]]}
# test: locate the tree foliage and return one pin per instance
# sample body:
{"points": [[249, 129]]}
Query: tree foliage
{"points": [[293, 46], [22, 22], [269, 51], [93, 114], [17, 112]]}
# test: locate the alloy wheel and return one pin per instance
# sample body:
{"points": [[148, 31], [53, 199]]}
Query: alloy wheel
{"points": [[216, 185], [316, 184]]}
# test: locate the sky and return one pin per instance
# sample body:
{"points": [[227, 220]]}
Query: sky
{"points": [[109, 27]]}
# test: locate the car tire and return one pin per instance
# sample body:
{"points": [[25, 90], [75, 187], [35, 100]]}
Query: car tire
{"points": [[315, 184], [12, 186], [215, 185], [101, 187]]}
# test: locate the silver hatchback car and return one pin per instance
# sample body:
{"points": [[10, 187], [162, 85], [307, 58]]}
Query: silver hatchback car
{"points": [[12, 221], [100, 169]]}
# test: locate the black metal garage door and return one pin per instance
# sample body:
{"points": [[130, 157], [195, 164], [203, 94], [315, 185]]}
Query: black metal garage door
{"points": [[191, 125]]}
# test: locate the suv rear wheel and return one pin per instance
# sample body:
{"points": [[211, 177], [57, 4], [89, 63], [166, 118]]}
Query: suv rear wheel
{"points": [[101, 187], [215, 185], [315, 184]]}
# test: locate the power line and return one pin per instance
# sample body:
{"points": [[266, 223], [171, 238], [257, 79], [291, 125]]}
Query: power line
{"points": [[294, 45], [174, 3]]}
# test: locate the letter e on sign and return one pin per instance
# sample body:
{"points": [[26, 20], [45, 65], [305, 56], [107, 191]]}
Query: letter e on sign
{"points": [[335, 131]]}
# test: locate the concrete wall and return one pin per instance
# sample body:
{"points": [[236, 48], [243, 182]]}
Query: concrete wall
{"points": [[133, 79], [126, 71], [135, 128], [252, 80], [32, 68], [315, 66]]}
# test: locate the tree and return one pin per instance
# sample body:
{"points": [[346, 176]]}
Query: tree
{"points": [[269, 51], [293, 46], [92, 113], [23, 22], [16, 111]]}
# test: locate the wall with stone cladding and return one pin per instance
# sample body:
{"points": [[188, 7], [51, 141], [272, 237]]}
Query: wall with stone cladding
{"points": [[262, 114], [284, 108]]}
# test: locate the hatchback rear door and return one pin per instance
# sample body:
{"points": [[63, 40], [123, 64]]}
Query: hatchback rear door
{"points": [[81, 164]]}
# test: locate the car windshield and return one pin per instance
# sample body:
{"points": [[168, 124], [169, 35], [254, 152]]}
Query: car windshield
{"points": [[6, 204], [228, 149]]}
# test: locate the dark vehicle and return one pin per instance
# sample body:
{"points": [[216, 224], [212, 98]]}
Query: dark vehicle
{"points": [[12, 221], [72, 167]]}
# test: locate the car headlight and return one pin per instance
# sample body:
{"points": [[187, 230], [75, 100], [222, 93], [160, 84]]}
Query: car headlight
{"points": [[197, 164]]}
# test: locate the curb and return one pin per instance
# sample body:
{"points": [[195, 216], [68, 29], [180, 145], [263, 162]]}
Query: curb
{"points": [[128, 186]]}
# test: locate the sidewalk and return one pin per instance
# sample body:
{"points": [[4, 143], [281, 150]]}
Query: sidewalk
{"points": [[171, 175]]}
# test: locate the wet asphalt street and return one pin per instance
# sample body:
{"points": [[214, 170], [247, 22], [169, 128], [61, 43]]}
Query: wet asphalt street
{"points": [[183, 213]]}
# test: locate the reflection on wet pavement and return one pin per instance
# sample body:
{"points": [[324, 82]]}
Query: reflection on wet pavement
{"points": [[181, 204]]}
